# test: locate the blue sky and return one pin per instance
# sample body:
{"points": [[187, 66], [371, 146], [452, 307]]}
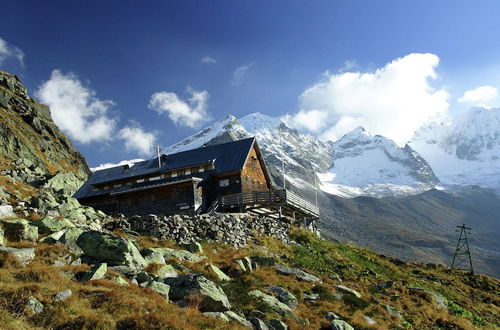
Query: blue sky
{"points": [[239, 57]]}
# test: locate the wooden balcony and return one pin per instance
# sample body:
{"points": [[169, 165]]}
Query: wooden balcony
{"points": [[270, 202]]}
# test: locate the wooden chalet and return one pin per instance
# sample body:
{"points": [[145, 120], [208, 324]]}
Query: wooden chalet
{"points": [[225, 177]]}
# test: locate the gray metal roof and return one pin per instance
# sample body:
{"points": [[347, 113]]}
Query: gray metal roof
{"points": [[227, 157]]}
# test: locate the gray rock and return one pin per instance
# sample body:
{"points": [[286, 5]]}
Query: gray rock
{"points": [[341, 325], [53, 238], [159, 287], [311, 296], [348, 290], [155, 257], [111, 249], [440, 300], [69, 239], [22, 255], [330, 316], [273, 304], [165, 271], [95, 273], [176, 254], [63, 295], [276, 324], [2, 241], [193, 247], [19, 230], [219, 274], [119, 280], [335, 277], [218, 315], [240, 319], [258, 324], [213, 298], [369, 320], [284, 296], [50, 225], [393, 311], [144, 277], [34, 306], [245, 264], [6, 211], [299, 274]]}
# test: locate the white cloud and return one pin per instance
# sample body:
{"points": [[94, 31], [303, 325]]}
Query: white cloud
{"points": [[393, 101], [349, 65], [208, 60], [76, 109], [189, 113], [123, 162], [481, 96], [7, 51], [136, 139], [240, 73]]}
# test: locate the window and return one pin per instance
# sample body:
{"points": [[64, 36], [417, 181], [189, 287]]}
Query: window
{"points": [[117, 185], [140, 180], [155, 178], [188, 171], [174, 174], [224, 183], [202, 169]]}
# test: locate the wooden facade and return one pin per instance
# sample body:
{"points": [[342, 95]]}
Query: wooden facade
{"points": [[220, 177]]}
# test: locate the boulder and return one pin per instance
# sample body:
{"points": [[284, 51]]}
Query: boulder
{"points": [[213, 298], [34, 306], [6, 211], [22, 255], [218, 315], [95, 273], [258, 324], [245, 264], [284, 296], [53, 238], [299, 274], [69, 239], [165, 271], [2, 241], [341, 325], [19, 230], [219, 274], [159, 287], [50, 225], [393, 311], [173, 253], [111, 249], [276, 324], [65, 182], [119, 280], [273, 304], [347, 290], [330, 316], [193, 247], [155, 257], [63, 295], [240, 319]]}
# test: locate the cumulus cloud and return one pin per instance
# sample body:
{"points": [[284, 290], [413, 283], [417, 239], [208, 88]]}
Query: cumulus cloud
{"points": [[481, 96], [191, 112], [136, 139], [8, 51], [208, 60], [393, 101], [240, 73], [76, 109]]}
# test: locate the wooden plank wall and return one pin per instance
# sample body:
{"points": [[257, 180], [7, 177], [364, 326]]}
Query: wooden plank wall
{"points": [[252, 176]]}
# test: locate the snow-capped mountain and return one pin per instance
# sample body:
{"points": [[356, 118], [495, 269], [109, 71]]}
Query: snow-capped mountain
{"points": [[466, 151], [358, 164], [375, 166]]}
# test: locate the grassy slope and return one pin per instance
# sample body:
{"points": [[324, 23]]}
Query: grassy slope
{"points": [[473, 301]]}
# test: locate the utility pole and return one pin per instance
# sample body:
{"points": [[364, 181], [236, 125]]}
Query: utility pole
{"points": [[462, 251], [158, 154]]}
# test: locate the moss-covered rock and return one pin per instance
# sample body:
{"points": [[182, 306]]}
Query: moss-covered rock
{"points": [[19, 230]]}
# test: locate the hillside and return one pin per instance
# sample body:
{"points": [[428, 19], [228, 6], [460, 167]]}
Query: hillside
{"points": [[66, 266], [396, 214]]}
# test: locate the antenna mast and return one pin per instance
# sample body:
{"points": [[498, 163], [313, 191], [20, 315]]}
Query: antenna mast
{"points": [[282, 159], [158, 154], [462, 251]]}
